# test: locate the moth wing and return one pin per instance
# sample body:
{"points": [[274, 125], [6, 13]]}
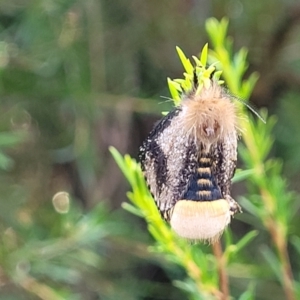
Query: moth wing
{"points": [[169, 159], [225, 157]]}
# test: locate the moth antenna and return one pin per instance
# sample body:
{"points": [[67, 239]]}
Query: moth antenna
{"points": [[168, 99], [250, 108]]}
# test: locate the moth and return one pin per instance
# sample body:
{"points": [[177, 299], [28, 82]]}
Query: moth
{"points": [[189, 159]]}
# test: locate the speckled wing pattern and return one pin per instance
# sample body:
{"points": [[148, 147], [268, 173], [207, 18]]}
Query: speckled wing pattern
{"points": [[168, 159], [176, 168], [225, 157]]}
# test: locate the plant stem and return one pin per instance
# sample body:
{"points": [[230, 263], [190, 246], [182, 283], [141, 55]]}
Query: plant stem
{"points": [[223, 278], [287, 275], [281, 244], [271, 221]]}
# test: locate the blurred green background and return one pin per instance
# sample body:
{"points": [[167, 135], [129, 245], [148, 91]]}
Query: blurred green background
{"points": [[77, 76]]}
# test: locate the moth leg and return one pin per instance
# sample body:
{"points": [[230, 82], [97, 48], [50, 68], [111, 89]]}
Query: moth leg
{"points": [[234, 206], [167, 214]]}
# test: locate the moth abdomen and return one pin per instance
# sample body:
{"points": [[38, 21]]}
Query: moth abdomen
{"points": [[200, 220], [203, 206], [203, 185]]}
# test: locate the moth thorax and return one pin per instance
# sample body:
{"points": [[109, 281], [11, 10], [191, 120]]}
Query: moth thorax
{"points": [[208, 130], [211, 115], [200, 220]]}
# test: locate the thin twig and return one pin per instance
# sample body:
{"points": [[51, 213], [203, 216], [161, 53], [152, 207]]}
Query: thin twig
{"points": [[280, 242], [223, 278], [287, 275]]}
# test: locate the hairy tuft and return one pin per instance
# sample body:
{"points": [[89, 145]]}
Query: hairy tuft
{"points": [[210, 116]]}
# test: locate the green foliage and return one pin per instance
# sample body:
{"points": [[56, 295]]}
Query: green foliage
{"points": [[63, 256], [202, 72], [233, 66], [200, 266], [269, 201], [266, 186], [77, 76], [8, 140], [178, 251]]}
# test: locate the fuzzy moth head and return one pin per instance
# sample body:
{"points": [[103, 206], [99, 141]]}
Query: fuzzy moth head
{"points": [[211, 115], [200, 220]]}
